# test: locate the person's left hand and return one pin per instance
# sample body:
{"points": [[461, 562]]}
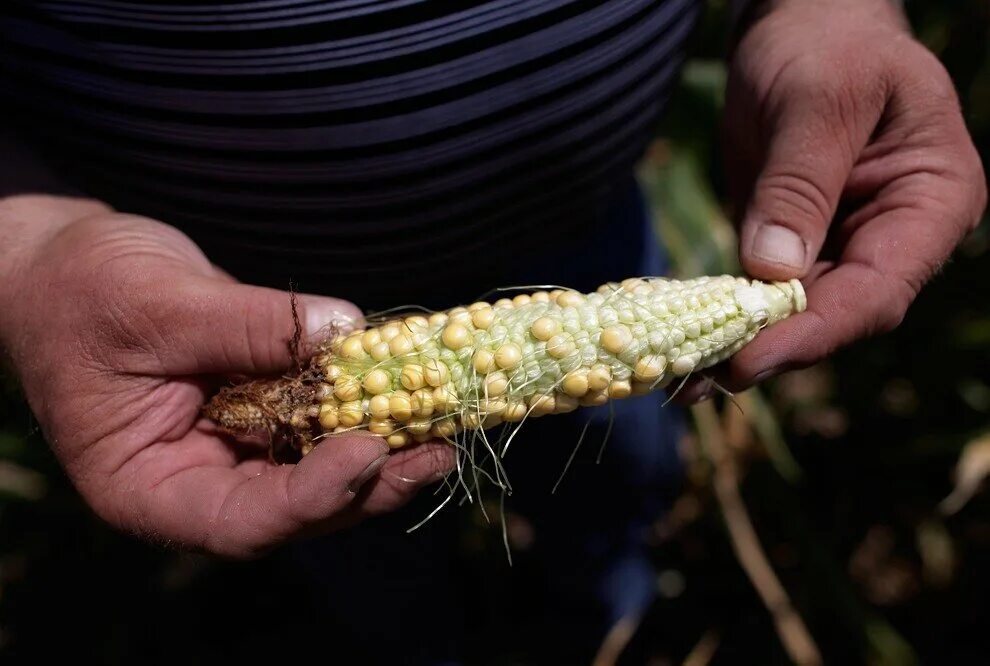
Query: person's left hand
{"points": [[834, 106]]}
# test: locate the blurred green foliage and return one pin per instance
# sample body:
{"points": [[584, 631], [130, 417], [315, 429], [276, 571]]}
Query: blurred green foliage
{"points": [[850, 462]]}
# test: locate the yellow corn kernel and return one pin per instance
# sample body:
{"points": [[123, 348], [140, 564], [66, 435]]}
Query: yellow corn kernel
{"points": [[544, 328], [575, 384], [381, 426], [455, 336], [351, 414], [616, 338], [435, 373], [515, 411], [560, 346], [370, 338], [508, 356], [412, 377], [619, 389], [483, 361], [380, 352], [483, 318], [650, 367], [400, 406], [379, 408], [347, 388], [352, 348], [398, 439], [599, 377], [421, 402], [377, 381], [328, 416]]}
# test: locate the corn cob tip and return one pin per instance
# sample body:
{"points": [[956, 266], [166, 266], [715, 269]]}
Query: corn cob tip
{"points": [[798, 297], [769, 302]]}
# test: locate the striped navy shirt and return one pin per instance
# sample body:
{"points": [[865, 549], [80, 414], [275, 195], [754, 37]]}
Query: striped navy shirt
{"points": [[347, 142]]}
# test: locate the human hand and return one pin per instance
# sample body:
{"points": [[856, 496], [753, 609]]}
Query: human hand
{"points": [[835, 107], [118, 328]]}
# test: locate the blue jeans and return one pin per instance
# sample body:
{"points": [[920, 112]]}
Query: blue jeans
{"points": [[399, 594]]}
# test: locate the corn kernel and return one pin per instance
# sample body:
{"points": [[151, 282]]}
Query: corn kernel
{"points": [[412, 377], [515, 411], [421, 402], [351, 414], [380, 352], [377, 381], [599, 377], [560, 346], [400, 406], [419, 426], [352, 349], [616, 338], [379, 407], [483, 361], [370, 338], [455, 336], [328, 416], [496, 383], [381, 426], [575, 384], [544, 328], [619, 389], [508, 356], [435, 373], [483, 319], [347, 388], [650, 367], [398, 439]]}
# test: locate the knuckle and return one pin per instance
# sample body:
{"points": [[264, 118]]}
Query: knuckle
{"points": [[979, 188], [888, 319], [925, 84], [790, 196], [891, 315], [924, 70]]}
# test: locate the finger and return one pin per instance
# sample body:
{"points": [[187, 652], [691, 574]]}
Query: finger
{"points": [[810, 154], [209, 325], [883, 267], [226, 512], [718, 379], [405, 474]]}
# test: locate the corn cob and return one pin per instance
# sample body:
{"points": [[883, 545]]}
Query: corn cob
{"points": [[424, 377]]}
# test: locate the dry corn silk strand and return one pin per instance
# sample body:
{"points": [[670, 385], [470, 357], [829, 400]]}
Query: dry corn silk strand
{"points": [[457, 375]]}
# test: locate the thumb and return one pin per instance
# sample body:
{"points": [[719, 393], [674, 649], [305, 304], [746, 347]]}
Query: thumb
{"points": [[248, 514], [795, 196], [236, 328]]}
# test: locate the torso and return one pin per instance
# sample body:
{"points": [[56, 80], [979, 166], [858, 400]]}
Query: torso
{"points": [[331, 140]]}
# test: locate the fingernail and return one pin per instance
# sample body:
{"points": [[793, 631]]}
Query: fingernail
{"points": [[779, 245], [763, 375], [324, 319], [369, 472], [706, 394]]}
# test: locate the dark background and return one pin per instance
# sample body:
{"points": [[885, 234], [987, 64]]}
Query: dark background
{"points": [[842, 470]]}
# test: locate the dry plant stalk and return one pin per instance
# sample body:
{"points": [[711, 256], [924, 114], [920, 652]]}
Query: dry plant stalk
{"points": [[794, 635]]}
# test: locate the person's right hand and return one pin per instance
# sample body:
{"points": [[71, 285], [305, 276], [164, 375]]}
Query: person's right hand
{"points": [[118, 327]]}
